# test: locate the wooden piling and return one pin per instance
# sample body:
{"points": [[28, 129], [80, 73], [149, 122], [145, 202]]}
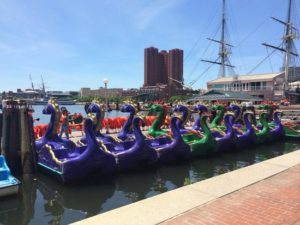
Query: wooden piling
{"points": [[18, 138]]}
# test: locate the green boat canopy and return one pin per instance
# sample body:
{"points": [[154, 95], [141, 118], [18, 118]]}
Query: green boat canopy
{"points": [[214, 95]]}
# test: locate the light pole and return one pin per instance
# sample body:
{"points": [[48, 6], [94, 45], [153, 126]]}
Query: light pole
{"points": [[105, 81]]}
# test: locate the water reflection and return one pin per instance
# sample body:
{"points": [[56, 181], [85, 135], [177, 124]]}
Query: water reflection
{"points": [[20, 210], [43, 200], [87, 199], [174, 176]]}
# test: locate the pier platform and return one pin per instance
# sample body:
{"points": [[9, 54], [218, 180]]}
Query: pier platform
{"points": [[263, 193], [275, 200]]}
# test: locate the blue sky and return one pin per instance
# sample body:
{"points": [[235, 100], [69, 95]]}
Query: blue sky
{"points": [[76, 44]]}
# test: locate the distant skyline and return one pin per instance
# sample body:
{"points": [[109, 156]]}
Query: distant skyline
{"points": [[75, 44]]}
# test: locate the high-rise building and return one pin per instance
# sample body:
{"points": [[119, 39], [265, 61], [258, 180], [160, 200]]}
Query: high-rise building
{"points": [[151, 66], [161, 65], [175, 67]]}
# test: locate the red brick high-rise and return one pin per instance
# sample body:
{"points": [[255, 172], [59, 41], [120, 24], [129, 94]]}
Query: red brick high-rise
{"points": [[161, 65], [151, 66], [175, 67]]}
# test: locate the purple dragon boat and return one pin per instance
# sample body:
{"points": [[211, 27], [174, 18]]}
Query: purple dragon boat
{"points": [[132, 154], [96, 109], [173, 150], [68, 162]]}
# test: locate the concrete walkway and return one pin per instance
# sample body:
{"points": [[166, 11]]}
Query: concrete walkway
{"points": [[264, 193], [275, 200]]}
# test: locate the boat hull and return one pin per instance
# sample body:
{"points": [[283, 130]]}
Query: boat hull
{"points": [[9, 190]]}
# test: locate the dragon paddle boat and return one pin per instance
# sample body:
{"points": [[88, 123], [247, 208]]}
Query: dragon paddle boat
{"points": [[170, 150], [205, 145], [97, 109], [267, 130], [9, 185], [189, 134], [209, 144], [146, 151], [132, 154], [245, 138], [64, 160], [279, 129]]}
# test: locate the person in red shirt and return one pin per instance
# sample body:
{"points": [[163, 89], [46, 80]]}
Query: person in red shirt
{"points": [[65, 123]]}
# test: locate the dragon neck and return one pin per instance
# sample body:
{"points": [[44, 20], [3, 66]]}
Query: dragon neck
{"points": [[264, 122], [89, 132], [53, 124], [205, 128], [196, 124], [99, 117], [139, 137], [237, 113], [201, 109], [160, 118], [228, 120], [277, 120], [247, 122], [128, 123], [218, 119], [175, 129], [185, 113]]}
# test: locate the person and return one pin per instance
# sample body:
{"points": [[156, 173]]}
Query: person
{"points": [[65, 123]]}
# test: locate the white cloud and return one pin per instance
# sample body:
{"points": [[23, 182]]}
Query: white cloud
{"points": [[152, 10]]}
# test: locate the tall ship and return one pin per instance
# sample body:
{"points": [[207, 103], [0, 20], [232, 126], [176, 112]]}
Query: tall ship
{"points": [[284, 84]]}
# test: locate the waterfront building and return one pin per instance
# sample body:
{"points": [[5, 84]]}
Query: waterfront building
{"points": [[109, 92], [224, 96], [130, 92], [267, 86]]}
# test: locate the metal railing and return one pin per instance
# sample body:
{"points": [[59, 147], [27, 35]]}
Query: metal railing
{"points": [[250, 88]]}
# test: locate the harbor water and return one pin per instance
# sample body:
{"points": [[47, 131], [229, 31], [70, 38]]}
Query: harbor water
{"points": [[72, 109], [43, 200]]}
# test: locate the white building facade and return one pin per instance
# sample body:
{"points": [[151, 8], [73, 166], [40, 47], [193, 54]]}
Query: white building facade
{"points": [[267, 86]]}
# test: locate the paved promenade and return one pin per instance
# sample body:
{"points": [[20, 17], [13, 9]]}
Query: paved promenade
{"points": [[275, 200], [264, 193]]}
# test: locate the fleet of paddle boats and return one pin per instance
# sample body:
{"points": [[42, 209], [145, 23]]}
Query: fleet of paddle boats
{"points": [[96, 153]]}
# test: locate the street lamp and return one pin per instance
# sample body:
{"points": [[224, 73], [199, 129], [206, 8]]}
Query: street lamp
{"points": [[105, 81]]}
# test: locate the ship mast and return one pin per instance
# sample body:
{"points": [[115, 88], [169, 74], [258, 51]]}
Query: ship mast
{"points": [[290, 35], [288, 39], [43, 87], [223, 52], [32, 86], [224, 47]]}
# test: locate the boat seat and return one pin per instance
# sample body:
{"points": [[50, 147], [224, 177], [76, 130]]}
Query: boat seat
{"points": [[4, 174], [4, 171], [1, 162]]}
